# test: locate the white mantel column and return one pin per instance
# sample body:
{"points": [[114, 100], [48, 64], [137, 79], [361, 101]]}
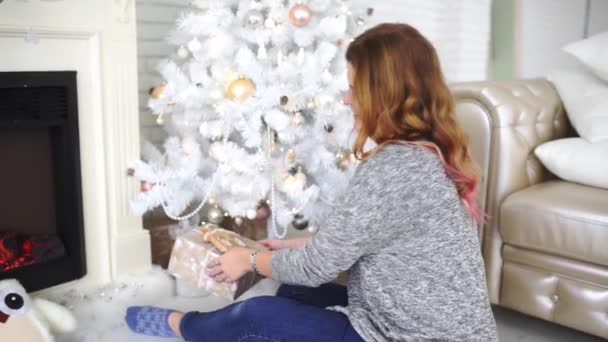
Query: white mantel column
{"points": [[129, 243]]}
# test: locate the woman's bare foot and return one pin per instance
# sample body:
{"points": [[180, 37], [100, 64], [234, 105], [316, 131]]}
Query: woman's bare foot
{"points": [[175, 319]]}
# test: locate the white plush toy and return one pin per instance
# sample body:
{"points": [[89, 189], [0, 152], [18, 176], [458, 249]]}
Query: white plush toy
{"points": [[25, 319]]}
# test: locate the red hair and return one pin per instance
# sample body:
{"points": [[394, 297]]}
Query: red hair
{"points": [[402, 97]]}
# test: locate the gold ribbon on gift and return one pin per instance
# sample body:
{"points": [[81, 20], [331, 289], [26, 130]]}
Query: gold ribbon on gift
{"points": [[221, 239]]}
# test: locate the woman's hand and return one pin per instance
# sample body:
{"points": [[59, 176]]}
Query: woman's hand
{"points": [[276, 244], [230, 266]]}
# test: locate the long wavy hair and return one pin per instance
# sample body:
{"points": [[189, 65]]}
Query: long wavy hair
{"points": [[402, 97]]}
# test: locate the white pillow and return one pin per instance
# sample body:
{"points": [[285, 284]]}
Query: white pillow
{"points": [[593, 53], [576, 160], [586, 100]]}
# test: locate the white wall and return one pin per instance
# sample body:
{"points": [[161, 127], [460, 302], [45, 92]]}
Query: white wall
{"points": [[543, 27], [459, 30], [155, 20]]}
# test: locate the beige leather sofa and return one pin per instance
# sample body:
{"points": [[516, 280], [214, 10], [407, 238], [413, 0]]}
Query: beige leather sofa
{"points": [[546, 242]]}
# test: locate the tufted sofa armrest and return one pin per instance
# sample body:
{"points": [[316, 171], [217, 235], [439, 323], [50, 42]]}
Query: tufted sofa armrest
{"points": [[505, 121]]}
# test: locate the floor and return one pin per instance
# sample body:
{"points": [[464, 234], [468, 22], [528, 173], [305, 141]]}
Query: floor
{"points": [[100, 311], [516, 327]]}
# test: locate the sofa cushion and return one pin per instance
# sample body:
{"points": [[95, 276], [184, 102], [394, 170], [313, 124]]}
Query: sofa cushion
{"points": [[593, 53], [586, 100], [559, 218], [576, 160]]}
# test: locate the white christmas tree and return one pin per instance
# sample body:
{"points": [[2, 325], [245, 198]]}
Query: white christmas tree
{"points": [[252, 101]]}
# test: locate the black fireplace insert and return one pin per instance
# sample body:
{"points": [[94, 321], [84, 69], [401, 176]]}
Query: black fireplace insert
{"points": [[41, 221]]}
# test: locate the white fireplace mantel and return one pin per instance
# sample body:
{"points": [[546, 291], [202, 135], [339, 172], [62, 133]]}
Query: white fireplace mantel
{"points": [[97, 39]]}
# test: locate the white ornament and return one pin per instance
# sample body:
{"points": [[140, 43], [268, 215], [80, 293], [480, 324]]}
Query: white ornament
{"points": [[252, 214], [312, 228], [182, 52], [194, 45]]}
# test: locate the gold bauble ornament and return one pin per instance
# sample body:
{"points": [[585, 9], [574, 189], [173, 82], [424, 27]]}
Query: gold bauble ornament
{"points": [[157, 91], [241, 89], [300, 15]]}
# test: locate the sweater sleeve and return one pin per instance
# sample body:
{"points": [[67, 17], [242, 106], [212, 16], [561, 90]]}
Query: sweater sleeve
{"points": [[353, 229]]}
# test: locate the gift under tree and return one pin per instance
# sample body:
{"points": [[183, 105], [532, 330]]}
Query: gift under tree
{"points": [[252, 104]]}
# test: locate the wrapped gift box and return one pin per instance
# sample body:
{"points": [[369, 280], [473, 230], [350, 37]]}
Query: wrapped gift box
{"points": [[195, 248]]}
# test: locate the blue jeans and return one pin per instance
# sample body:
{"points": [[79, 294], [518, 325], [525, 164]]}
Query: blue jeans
{"points": [[296, 314]]}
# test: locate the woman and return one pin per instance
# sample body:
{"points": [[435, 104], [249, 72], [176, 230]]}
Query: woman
{"points": [[405, 229]]}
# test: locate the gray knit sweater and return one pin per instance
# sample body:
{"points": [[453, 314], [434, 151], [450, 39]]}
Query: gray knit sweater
{"points": [[416, 272]]}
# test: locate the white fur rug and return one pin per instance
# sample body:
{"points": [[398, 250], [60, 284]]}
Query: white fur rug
{"points": [[100, 312]]}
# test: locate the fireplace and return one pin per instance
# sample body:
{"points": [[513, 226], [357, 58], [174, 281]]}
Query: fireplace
{"points": [[41, 219]]}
